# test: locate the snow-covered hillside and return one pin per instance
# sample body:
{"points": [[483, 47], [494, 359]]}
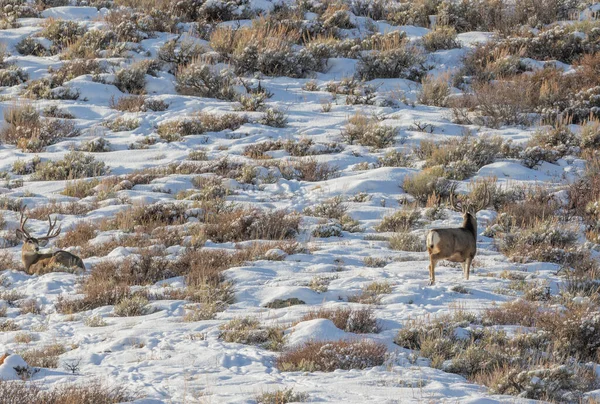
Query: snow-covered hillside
{"points": [[250, 184]]}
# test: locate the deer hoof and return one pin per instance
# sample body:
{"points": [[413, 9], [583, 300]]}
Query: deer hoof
{"points": [[431, 282]]}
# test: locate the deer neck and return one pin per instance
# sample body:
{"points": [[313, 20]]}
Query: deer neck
{"points": [[470, 224]]}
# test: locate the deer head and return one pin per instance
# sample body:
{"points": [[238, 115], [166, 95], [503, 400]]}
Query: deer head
{"points": [[33, 244]]}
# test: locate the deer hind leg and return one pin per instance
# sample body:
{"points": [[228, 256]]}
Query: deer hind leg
{"points": [[467, 267], [432, 262]]}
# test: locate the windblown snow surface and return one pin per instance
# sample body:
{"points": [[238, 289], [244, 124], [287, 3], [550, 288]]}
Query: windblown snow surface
{"points": [[165, 359]]}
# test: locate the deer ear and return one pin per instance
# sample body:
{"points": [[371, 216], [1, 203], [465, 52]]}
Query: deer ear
{"points": [[20, 234], [42, 243]]}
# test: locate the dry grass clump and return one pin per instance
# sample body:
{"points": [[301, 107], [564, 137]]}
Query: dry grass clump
{"points": [[359, 321], [91, 393], [367, 131], [328, 356], [93, 44], [30, 133], [248, 330], [29, 306], [336, 209], [46, 357], [71, 69], [371, 293], [122, 124], [281, 396], [9, 325]]}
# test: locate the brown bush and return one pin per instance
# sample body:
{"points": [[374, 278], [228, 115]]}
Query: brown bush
{"points": [[518, 312], [242, 224], [327, 356], [59, 208], [90, 393], [46, 357]]}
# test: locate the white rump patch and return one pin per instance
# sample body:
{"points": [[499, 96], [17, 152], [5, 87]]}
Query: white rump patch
{"points": [[433, 238]]}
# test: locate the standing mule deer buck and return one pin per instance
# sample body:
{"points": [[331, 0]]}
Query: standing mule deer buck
{"points": [[457, 244], [39, 263]]}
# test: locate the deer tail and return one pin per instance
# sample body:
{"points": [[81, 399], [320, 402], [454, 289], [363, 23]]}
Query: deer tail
{"points": [[432, 239]]}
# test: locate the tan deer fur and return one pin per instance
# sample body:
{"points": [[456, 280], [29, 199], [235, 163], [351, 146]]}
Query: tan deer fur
{"points": [[39, 263], [457, 244], [454, 244]]}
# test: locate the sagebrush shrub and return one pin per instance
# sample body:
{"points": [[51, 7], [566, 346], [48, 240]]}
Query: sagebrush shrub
{"points": [[327, 356], [367, 131], [403, 62], [74, 165], [423, 184], [440, 38], [402, 220], [203, 80]]}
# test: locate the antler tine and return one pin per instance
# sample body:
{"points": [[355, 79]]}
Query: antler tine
{"points": [[51, 231], [457, 205], [487, 198], [23, 219]]}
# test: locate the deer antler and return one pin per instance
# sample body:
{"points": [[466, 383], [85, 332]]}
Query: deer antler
{"points": [[23, 220], [457, 205], [51, 231], [466, 204]]}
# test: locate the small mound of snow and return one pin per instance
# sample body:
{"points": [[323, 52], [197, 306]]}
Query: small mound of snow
{"points": [[7, 369], [320, 329], [71, 13]]}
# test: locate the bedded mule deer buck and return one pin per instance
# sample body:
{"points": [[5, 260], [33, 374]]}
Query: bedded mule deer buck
{"points": [[36, 262], [457, 244]]}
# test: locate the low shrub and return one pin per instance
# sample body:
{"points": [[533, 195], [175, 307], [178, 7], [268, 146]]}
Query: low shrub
{"points": [[367, 131], [328, 356], [74, 165], [359, 321], [427, 182], [249, 331], [202, 80], [400, 221], [440, 38], [402, 61]]}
